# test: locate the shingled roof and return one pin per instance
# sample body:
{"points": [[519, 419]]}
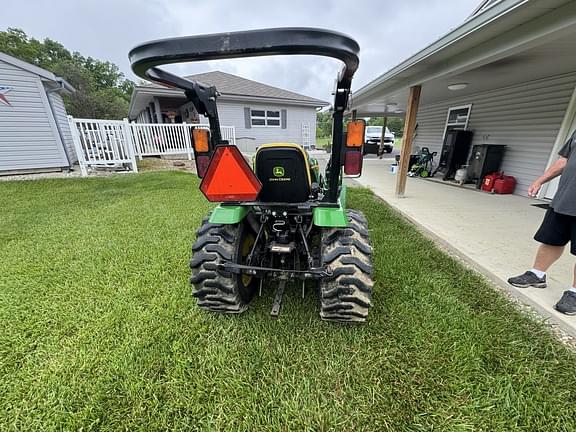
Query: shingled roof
{"points": [[233, 85]]}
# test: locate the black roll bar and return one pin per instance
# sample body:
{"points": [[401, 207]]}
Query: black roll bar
{"points": [[283, 41]]}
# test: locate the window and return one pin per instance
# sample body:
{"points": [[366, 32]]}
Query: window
{"points": [[265, 118], [457, 119]]}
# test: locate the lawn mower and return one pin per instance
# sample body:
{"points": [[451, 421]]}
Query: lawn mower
{"points": [[279, 220], [425, 164]]}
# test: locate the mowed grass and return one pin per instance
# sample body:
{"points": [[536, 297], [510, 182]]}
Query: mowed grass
{"points": [[99, 330]]}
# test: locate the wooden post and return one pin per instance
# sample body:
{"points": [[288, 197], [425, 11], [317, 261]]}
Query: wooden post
{"points": [[382, 137], [409, 128]]}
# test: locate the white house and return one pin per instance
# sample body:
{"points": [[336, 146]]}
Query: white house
{"points": [[508, 73], [34, 130], [260, 113]]}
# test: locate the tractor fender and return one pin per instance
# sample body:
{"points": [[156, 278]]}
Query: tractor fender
{"points": [[228, 214]]}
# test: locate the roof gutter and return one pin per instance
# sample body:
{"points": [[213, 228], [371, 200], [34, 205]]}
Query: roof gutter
{"points": [[65, 86]]}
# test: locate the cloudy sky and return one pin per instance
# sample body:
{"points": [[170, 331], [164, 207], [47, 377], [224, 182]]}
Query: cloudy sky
{"points": [[387, 31]]}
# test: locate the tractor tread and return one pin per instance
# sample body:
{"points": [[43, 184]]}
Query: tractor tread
{"points": [[335, 253], [364, 247], [201, 276], [366, 268], [215, 290], [221, 250], [205, 239], [346, 296], [200, 258]]}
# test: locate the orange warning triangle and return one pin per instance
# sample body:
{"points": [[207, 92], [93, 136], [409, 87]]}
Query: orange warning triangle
{"points": [[229, 177]]}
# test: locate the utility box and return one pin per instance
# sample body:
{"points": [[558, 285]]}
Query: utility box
{"points": [[484, 159]]}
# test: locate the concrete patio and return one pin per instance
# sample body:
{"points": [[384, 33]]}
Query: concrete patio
{"points": [[493, 233]]}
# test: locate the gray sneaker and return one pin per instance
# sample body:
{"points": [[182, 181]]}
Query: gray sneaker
{"points": [[567, 304], [528, 279]]}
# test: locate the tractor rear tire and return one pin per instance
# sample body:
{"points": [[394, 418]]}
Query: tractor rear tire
{"points": [[346, 296], [218, 290]]}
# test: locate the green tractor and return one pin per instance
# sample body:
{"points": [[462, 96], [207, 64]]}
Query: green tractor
{"points": [[279, 220]]}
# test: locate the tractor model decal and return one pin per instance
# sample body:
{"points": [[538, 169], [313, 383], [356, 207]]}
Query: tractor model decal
{"points": [[278, 173]]}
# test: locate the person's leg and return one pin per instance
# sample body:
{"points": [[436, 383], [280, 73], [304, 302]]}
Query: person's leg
{"points": [[546, 256], [567, 303], [553, 235]]}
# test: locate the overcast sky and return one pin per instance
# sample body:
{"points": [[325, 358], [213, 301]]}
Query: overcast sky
{"points": [[387, 31]]}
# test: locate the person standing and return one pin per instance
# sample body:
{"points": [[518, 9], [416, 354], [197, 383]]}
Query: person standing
{"points": [[558, 227]]}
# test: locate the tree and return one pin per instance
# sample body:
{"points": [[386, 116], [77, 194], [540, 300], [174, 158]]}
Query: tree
{"points": [[394, 124], [102, 91], [323, 124]]}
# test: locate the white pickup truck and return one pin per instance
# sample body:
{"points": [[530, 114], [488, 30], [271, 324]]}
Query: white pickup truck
{"points": [[372, 138]]}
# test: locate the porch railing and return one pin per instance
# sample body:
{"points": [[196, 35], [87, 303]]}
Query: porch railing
{"points": [[117, 143], [152, 139], [102, 143]]}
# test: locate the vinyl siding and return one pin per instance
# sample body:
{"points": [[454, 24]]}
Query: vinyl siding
{"points": [[28, 137], [61, 118], [232, 114], [526, 118]]}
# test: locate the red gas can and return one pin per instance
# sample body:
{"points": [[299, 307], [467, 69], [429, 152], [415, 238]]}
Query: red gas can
{"points": [[489, 180], [505, 185]]}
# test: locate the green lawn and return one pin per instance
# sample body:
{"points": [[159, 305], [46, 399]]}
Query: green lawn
{"points": [[100, 332], [323, 142]]}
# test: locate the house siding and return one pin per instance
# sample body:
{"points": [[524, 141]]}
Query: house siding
{"points": [[232, 114], [526, 118], [61, 117], [28, 136]]}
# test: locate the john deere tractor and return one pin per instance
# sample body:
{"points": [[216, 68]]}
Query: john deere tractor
{"points": [[280, 222]]}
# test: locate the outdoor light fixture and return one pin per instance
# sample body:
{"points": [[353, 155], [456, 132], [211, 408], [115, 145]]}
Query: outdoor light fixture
{"points": [[457, 86]]}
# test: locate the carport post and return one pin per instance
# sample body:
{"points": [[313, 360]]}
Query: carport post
{"points": [[409, 129], [383, 135]]}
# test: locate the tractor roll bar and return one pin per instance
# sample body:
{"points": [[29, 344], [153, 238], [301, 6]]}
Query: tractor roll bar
{"points": [[284, 41]]}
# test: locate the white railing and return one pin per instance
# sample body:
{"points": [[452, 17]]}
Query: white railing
{"points": [[160, 139], [152, 139], [105, 143], [114, 143]]}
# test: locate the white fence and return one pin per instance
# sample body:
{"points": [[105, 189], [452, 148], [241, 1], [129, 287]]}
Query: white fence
{"points": [[152, 139], [102, 143], [117, 143]]}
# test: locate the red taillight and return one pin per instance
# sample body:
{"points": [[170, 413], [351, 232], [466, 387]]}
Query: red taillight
{"points": [[202, 163], [202, 150], [229, 177], [353, 162]]}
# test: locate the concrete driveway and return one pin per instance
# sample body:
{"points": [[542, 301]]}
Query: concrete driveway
{"points": [[493, 233]]}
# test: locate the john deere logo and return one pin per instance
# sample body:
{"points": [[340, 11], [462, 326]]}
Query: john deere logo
{"points": [[278, 171]]}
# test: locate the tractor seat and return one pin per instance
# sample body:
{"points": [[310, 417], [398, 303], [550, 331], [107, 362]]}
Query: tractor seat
{"points": [[284, 172]]}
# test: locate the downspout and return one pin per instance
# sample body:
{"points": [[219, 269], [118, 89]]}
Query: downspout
{"points": [[48, 92]]}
